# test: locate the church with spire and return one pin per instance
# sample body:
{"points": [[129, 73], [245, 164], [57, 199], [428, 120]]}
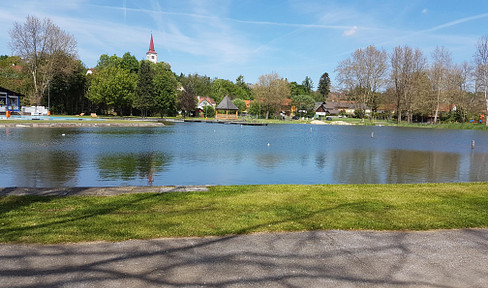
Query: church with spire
{"points": [[151, 55]]}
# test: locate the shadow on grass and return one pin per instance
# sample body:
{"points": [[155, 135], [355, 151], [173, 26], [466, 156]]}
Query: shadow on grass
{"points": [[284, 259]]}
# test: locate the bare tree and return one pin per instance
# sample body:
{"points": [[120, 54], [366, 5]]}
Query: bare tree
{"points": [[271, 91], [481, 62], [42, 45], [363, 74], [406, 66], [439, 77]]}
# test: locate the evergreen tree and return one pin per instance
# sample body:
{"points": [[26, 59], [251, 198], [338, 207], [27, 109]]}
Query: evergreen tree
{"points": [[324, 85], [144, 99]]}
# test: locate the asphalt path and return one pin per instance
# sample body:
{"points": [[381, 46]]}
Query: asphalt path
{"points": [[445, 258]]}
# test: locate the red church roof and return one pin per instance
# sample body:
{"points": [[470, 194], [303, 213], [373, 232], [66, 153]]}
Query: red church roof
{"points": [[151, 46]]}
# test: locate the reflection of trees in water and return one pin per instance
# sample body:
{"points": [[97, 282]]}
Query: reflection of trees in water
{"points": [[320, 160], [128, 166], [356, 166], [269, 161], [478, 167], [46, 168], [421, 166]]}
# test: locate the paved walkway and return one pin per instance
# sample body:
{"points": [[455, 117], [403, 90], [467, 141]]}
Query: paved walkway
{"points": [[451, 258]]}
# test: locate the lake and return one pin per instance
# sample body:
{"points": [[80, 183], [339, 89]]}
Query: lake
{"points": [[224, 154]]}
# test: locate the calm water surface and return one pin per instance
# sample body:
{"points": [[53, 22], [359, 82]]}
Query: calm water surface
{"points": [[219, 154]]}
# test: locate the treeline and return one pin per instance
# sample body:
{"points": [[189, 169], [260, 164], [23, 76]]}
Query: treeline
{"points": [[405, 85], [402, 84]]}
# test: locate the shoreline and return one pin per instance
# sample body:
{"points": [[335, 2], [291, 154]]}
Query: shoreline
{"points": [[107, 123]]}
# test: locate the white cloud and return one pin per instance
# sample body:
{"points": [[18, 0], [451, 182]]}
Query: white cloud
{"points": [[425, 11], [351, 31]]}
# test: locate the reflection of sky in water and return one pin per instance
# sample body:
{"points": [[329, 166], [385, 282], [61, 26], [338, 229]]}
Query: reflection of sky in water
{"points": [[198, 153]]}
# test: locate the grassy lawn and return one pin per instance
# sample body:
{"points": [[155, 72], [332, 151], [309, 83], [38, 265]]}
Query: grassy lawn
{"points": [[243, 209]]}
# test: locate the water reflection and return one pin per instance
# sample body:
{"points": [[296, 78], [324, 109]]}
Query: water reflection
{"points": [[193, 154], [478, 167], [356, 167], [46, 169], [421, 166], [130, 166]]}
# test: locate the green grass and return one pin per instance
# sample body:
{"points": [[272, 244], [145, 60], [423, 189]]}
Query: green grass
{"points": [[228, 210]]}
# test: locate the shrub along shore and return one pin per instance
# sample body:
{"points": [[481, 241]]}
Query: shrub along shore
{"points": [[226, 210]]}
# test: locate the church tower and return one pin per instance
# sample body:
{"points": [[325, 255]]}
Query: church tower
{"points": [[151, 55]]}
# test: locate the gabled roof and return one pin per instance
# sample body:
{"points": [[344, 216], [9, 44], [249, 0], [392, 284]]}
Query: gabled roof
{"points": [[208, 99], [226, 104]]}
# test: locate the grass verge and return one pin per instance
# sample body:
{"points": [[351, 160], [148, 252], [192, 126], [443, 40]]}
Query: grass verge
{"points": [[243, 209]]}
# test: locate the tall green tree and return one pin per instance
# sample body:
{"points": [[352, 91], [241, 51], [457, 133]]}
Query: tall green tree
{"points": [[112, 88], [297, 89], [201, 84], [144, 97], [308, 84], [165, 93], [129, 62], [67, 90], [242, 89], [221, 88], [324, 86]]}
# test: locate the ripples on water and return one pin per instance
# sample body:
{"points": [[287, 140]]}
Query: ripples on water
{"points": [[219, 154]]}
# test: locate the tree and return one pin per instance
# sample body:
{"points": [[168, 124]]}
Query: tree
{"points": [[439, 77], [297, 89], [11, 74], [144, 97], [187, 100], [308, 84], [324, 86], [303, 103], [241, 104], [271, 90], [67, 90], [242, 89], [130, 63], [201, 85], [481, 62], [221, 88], [112, 87], [165, 84], [406, 64], [363, 74], [42, 45]]}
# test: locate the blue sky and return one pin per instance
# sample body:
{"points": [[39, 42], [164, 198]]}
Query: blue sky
{"points": [[225, 38]]}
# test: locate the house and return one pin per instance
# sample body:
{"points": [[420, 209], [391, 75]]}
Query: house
{"points": [[226, 109], [202, 103], [9, 100], [323, 109]]}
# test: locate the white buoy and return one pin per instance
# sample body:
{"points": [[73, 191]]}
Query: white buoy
{"points": [[63, 134], [268, 144]]}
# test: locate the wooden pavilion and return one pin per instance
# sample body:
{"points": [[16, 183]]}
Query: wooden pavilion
{"points": [[226, 110]]}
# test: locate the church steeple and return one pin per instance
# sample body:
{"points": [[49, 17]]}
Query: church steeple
{"points": [[151, 55]]}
